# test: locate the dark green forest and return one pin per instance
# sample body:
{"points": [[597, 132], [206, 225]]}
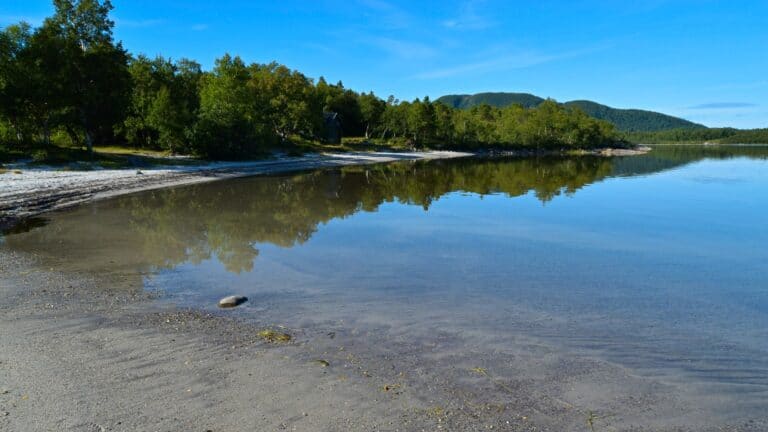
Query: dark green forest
{"points": [[708, 135], [625, 120], [69, 84]]}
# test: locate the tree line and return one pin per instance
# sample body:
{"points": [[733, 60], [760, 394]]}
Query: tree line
{"points": [[702, 135], [68, 82]]}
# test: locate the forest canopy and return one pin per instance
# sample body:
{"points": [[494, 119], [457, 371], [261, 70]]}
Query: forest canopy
{"points": [[68, 82]]}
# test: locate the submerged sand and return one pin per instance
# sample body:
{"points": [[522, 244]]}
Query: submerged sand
{"points": [[84, 352]]}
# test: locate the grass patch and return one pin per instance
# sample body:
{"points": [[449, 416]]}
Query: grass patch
{"points": [[130, 151], [111, 157], [116, 157]]}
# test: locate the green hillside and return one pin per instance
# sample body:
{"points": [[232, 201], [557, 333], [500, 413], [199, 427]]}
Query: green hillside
{"points": [[499, 100], [626, 120]]}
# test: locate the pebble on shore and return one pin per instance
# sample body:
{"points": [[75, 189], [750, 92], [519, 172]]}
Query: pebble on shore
{"points": [[232, 301]]}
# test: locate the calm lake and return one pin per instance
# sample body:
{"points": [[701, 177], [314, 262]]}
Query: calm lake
{"points": [[657, 264]]}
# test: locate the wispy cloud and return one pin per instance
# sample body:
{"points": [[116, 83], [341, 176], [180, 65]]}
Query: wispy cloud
{"points": [[723, 105], [388, 14], [468, 18], [501, 62], [403, 49], [138, 23], [200, 27]]}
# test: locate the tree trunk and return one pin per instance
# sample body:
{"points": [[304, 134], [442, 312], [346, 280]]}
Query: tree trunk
{"points": [[89, 142], [46, 132], [73, 135], [88, 137]]}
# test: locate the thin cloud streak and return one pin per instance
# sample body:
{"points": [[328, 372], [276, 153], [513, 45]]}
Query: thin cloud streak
{"points": [[388, 14], [138, 23], [468, 19], [722, 105], [501, 63], [402, 49]]}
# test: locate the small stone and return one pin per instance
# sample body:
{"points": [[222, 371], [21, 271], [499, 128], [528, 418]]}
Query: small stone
{"points": [[6, 413], [321, 362], [232, 301]]}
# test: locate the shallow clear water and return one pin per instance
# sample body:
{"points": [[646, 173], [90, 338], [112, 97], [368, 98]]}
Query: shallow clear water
{"points": [[658, 263]]}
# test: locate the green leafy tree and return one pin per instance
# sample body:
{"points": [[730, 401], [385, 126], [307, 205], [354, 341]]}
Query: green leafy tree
{"points": [[96, 80], [232, 122], [371, 110], [164, 103], [290, 99], [15, 83]]}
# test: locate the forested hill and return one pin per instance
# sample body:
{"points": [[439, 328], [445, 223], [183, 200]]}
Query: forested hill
{"points": [[498, 100], [626, 120], [633, 120]]}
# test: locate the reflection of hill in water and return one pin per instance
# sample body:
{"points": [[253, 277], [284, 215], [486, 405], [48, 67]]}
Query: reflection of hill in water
{"points": [[162, 229]]}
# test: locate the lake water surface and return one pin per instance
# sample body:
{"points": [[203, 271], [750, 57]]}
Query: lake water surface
{"points": [[657, 263]]}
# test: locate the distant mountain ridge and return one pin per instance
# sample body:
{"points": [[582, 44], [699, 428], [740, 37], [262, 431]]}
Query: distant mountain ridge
{"points": [[626, 120]]}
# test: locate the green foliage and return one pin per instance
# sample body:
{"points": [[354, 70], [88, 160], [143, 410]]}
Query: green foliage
{"points": [[550, 126], [68, 83], [230, 124], [498, 100], [335, 98], [713, 135], [288, 98], [371, 109], [751, 136], [633, 119], [67, 74], [164, 103]]}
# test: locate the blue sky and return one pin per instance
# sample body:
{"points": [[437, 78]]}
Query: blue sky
{"points": [[704, 60]]}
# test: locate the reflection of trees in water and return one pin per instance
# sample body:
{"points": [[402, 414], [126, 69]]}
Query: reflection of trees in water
{"points": [[666, 157], [164, 228], [226, 220]]}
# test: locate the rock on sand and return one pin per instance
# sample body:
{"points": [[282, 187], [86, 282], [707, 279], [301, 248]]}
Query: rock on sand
{"points": [[232, 301]]}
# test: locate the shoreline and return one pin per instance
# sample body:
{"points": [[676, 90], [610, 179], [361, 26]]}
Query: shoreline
{"points": [[40, 190], [32, 192]]}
